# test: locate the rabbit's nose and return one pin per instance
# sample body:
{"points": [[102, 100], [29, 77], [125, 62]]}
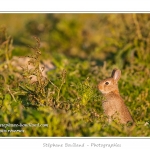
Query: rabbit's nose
{"points": [[99, 87]]}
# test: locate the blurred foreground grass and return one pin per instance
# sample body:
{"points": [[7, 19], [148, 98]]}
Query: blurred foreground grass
{"points": [[84, 48]]}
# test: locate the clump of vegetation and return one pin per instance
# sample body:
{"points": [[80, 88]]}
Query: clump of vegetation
{"points": [[84, 50]]}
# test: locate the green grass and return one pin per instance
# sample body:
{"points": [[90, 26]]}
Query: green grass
{"points": [[84, 49]]}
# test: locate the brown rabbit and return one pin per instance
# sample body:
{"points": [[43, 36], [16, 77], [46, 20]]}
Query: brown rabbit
{"points": [[113, 105]]}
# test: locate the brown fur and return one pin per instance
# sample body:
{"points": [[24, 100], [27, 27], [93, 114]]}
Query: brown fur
{"points": [[113, 105]]}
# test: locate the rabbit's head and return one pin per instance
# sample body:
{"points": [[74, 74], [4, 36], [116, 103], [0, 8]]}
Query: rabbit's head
{"points": [[110, 84]]}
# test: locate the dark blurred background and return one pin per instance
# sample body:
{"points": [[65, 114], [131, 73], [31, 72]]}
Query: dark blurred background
{"points": [[94, 36]]}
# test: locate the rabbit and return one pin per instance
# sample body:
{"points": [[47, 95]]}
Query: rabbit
{"points": [[113, 105]]}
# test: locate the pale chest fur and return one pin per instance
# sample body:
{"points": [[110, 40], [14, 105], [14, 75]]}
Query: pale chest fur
{"points": [[112, 104]]}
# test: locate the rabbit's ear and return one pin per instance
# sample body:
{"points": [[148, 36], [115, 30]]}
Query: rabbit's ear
{"points": [[116, 74]]}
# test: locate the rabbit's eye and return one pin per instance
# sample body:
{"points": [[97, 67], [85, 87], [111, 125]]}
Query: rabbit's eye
{"points": [[106, 83]]}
